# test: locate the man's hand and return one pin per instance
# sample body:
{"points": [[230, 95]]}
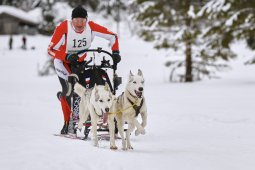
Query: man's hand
{"points": [[72, 58], [116, 57]]}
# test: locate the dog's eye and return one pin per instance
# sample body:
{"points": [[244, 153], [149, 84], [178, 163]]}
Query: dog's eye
{"points": [[101, 101], [109, 100], [134, 82]]}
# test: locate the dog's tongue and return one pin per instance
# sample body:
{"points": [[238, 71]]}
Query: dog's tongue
{"points": [[105, 117]]}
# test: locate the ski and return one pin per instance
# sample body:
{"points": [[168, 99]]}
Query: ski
{"points": [[100, 137], [70, 136]]}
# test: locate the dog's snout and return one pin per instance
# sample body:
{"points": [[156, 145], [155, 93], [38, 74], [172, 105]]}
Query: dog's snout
{"points": [[107, 109], [140, 89]]}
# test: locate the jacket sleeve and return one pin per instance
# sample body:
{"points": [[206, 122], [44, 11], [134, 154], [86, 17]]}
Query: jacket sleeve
{"points": [[100, 31], [57, 46]]}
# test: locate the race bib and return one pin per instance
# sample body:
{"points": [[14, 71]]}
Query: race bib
{"points": [[77, 41]]}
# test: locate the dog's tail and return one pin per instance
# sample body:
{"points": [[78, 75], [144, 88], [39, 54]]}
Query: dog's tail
{"points": [[79, 89]]}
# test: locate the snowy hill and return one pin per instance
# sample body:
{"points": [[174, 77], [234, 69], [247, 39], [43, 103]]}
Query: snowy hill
{"points": [[206, 125]]}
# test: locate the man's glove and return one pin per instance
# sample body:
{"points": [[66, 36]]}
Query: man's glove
{"points": [[116, 57], [72, 58]]}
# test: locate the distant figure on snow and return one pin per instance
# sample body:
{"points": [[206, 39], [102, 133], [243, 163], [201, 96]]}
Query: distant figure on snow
{"points": [[24, 42], [10, 42]]}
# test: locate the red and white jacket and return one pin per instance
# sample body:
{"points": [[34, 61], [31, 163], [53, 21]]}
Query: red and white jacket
{"points": [[66, 40]]}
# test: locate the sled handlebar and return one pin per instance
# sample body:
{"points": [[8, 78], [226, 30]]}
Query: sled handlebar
{"points": [[98, 50], [85, 64], [104, 64]]}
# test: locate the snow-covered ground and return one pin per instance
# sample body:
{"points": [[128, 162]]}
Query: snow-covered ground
{"points": [[206, 125]]}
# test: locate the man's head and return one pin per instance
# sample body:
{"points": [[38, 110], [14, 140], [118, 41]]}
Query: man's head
{"points": [[79, 18], [79, 12]]}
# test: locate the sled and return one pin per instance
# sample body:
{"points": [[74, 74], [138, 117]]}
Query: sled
{"points": [[99, 75]]}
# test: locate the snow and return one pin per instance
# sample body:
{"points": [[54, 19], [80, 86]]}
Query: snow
{"points": [[62, 11], [37, 14], [18, 13], [191, 12], [231, 20], [206, 125], [213, 7]]}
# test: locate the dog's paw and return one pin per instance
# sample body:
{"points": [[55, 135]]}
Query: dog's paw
{"points": [[137, 132], [95, 144], [129, 147], [80, 133], [113, 147], [140, 131], [143, 131]]}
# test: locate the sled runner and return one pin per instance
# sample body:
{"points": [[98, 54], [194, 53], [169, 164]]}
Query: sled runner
{"points": [[88, 73]]}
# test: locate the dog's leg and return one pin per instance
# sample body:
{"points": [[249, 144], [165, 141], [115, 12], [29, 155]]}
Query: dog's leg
{"points": [[140, 129], [83, 116], [82, 109], [111, 130], [94, 126], [120, 124], [144, 117], [131, 127], [94, 131]]}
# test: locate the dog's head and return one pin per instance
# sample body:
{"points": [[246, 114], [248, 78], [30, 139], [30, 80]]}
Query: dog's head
{"points": [[136, 84], [103, 98]]}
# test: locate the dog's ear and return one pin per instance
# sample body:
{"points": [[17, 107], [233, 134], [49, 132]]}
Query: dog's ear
{"points": [[140, 72], [130, 73], [96, 96], [130, 78], [107, 87], [96, 88]]}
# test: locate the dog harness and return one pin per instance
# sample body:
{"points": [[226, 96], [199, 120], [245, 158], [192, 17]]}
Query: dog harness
{"points": [[135, 107]]}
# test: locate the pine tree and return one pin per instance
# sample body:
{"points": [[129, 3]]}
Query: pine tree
{"points": [[93, 4], [47, 26], [176, 25], [114, 9], [235, 20]]}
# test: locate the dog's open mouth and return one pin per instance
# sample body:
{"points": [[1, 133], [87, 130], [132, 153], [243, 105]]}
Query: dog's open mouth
{"points": [[138, 94], [105, 117]]}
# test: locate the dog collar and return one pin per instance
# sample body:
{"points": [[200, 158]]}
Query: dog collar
{"points": [[96, 113], [132, 95]]}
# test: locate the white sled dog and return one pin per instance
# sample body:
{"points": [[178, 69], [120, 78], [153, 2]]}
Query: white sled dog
{"points": [[128, 106], [96, 103]]}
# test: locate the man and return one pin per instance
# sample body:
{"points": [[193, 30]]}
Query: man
{"points": [[70, 37], [10, 42], [24, 42]]}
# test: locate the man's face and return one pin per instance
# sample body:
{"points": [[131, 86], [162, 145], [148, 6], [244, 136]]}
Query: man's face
{"points": [[79, 24]]}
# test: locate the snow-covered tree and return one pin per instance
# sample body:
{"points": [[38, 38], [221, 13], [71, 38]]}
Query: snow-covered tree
{"points": [[235, 19], [8, 2], [21, 4], [114, 9], [93, 4], [176, 25], [47, 26]]}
